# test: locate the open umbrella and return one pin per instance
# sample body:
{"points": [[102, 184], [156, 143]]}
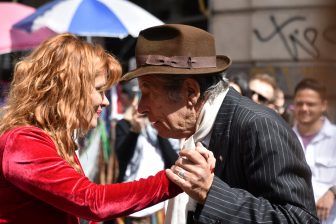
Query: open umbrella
{"points": [[105, 18], [15, 40]]}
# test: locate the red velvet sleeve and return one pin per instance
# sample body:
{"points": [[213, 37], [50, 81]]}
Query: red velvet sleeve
{"points": [[31, 163]]}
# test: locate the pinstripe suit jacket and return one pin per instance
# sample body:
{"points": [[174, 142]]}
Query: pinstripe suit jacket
{"points": [[261, 173]]}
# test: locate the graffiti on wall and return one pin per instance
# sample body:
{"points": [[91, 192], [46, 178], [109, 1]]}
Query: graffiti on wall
{"points": [[295, 36]]}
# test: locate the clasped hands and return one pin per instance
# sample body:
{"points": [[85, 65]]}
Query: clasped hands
{"points": [[193, 172]]}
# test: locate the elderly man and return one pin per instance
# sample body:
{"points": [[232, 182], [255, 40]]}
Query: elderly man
{"points": [[260, 176]]}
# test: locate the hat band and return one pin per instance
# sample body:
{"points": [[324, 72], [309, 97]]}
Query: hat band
{"points": [[177, 61]]}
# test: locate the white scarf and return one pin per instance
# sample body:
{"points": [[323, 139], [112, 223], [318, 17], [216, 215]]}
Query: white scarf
{"points": [[179, 206]]}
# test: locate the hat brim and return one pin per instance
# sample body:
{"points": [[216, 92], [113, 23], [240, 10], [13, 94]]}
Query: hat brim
{"points": [[222, 63]]}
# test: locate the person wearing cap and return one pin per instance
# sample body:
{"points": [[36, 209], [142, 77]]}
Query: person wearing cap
{"points": [[260, 174]]}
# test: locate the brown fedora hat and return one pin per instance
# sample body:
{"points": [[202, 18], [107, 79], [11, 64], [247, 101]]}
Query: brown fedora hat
{"points": [[176, 49]]}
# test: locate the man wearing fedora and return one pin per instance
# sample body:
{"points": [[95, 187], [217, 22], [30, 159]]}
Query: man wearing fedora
{"points": [[260, 176]]}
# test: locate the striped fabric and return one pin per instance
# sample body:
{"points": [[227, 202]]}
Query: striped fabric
{"points": [[261, 173], [103, 18]]}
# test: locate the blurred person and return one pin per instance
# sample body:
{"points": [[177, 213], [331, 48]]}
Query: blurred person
{"points": [[57, 93], [4, 86], [260, 176], [141, 152], [262, 88], [318, 138], [128, 93], [240, 83], [280, 106], [278, 103]]}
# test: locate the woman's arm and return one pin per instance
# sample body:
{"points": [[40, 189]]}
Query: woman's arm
{"points": [[31, 163]]}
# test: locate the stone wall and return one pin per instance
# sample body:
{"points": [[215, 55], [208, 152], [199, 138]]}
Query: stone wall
{"points": [[289, 39]]}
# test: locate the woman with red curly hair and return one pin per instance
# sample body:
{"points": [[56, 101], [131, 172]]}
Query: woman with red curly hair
{"points": [[57, 93]]}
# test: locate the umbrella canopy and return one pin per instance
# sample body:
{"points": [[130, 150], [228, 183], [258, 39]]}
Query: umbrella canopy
{"points": [[105, 18], [15, 40]]}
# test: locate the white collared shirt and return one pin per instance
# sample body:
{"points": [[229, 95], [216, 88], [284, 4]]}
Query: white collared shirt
{"points": [[320, 155]]}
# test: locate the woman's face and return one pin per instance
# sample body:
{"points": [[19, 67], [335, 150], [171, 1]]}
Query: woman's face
{"points": [[99, 100]]}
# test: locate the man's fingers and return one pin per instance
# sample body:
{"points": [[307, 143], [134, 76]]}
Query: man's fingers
{"points": [[189, 158], [208, 155], [202, 150], [322, 212], [188, 166], [195, 182], [181, 173], [172, 176], [194, 156], [325, 213], [175, 178]]}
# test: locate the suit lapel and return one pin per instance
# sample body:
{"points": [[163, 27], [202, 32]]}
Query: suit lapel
{"points": [[219, 142]]}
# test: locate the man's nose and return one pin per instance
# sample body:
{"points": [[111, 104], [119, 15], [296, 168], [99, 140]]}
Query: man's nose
{"points": [[304, 107], [142, 107]]}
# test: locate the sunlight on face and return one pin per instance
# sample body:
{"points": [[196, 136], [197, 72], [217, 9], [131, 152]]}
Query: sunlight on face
{"points": [[99, 100], [172, 119], [308, 106], [261, 92]]}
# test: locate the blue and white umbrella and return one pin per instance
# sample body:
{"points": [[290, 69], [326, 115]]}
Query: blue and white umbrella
{"points": [[104, 18]]}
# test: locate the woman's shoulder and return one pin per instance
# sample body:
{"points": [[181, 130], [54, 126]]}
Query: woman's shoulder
{"points": [[24, 129], [30, 133]]}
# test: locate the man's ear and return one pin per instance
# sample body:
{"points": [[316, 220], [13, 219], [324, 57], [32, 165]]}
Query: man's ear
{"points": [[192, 91], [324, 106]]}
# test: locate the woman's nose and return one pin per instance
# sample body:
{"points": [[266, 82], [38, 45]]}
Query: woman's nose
{"points": [[105, 101]]}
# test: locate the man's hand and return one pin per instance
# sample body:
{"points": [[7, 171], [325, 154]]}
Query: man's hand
{"points": [[193, 172], [324, 205], [137, 121]]}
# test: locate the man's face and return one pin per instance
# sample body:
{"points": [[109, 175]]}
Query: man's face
{"points": [[261, 92], [171, 118], [308, 106]]}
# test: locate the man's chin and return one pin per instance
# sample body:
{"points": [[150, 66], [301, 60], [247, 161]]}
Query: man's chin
{"points": [[164, 134], [306, 122], [167, 134]]}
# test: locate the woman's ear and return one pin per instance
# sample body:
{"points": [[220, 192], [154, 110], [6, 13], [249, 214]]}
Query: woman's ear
{"points": [[192, 90]]}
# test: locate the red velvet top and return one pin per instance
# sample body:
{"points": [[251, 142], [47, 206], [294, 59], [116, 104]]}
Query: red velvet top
{"points": [[38, 186]]}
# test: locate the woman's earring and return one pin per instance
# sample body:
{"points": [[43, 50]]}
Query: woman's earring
{"points": [[190, 103]]}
